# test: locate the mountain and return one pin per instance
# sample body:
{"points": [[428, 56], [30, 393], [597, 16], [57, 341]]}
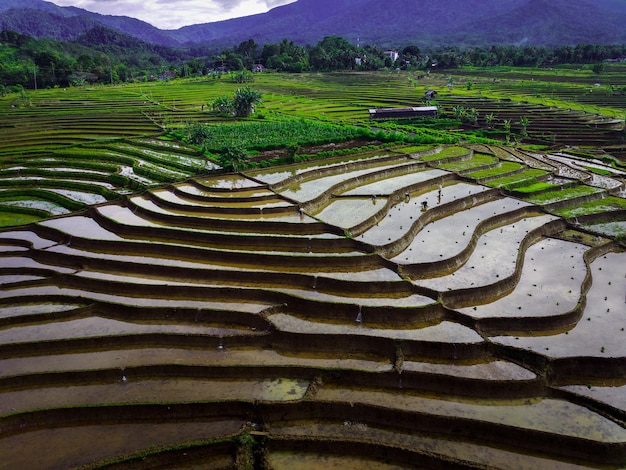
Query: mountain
{"points": [[549, 22], [389, 23], [43, 19], [309, 21]]}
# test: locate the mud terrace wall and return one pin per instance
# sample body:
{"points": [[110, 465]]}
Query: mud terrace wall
{"points": [[224, 319]]}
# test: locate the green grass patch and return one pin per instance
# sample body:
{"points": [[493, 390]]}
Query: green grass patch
{"points": [[448, 152], [12, 217], [478, 160], [612, 229], [520, 179], [598, 171], [262, 135], [608, 204], [158, 173], [536, 187], [415, 149], [563, 195], [504, 168]]}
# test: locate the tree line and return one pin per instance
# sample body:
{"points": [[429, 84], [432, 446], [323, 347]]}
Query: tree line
{"points": [[106, 56]]}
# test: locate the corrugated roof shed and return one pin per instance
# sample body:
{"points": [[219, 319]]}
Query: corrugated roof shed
{"points": [[403, 113]]}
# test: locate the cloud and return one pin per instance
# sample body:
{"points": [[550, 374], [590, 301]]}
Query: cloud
{"points": [[172, 14]]}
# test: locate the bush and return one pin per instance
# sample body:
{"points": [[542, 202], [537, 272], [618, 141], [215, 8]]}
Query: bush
{"points": [[223, 105], [233, 158]]}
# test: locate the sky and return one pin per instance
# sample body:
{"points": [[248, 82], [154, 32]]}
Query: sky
{"points": [[172, 14]]}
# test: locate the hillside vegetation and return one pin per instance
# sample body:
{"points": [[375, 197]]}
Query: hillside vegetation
{"points": [[102, 55]]}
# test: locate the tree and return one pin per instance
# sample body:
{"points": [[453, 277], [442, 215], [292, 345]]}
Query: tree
{"points": [[233, 158], [223, 105], [245, 100], [233, 61], [409, 56], [333, 53], [197, 133], [241, 104], [489, 119], [471, 116], [507, 130], [524, 121], [285, 56], [248, 52], [244, 76], [459, 112]]}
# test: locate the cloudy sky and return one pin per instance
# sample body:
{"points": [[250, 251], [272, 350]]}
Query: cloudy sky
{"points": [[172, 14]]}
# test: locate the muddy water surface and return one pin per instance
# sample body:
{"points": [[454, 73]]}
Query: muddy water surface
{"points": [[545, 415], [389, 185], [348, 212], [310, 189], [481, 455], [551, 283], [303, 461], [447, 237], [493, 259], [601, 332], [404, 214], [48, 448], [125, 360], [443, 332]]}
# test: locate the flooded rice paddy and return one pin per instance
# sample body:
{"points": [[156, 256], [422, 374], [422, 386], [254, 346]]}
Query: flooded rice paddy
{"points": [[370, 311], [494, 258], [441, 239], [550, 284]]}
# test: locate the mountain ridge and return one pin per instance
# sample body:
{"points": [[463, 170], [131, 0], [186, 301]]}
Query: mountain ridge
{"points": [[396, 23]]}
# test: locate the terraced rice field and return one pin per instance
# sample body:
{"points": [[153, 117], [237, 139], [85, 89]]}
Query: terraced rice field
{"points": [[414, 307], [377, 310]]}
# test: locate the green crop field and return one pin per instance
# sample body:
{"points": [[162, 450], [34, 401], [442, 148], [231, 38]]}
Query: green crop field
{"points": [[445, 292]]}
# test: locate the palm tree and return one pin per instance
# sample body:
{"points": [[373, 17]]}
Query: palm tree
{"points": [[524, 121], [245, 100]]}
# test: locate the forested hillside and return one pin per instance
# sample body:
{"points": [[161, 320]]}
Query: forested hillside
{"points": [[103, 55], [388, 24]]}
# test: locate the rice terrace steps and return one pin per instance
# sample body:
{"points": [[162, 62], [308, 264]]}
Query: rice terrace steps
{"points": [[308, 315], [457, 307]]}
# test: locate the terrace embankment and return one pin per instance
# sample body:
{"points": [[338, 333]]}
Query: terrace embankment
{"points": [[185, 326], [463, 297]]}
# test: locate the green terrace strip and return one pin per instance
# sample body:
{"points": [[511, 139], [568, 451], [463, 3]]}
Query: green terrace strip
{"points": [[414, 149], [561, 195], [558, 86], [536, 187], [607, 204], [519, 179], [598, 171], [502, 169], [268, 135], [12, 214], [448, 152], [71, 179], [264, 135], [478, 160]]}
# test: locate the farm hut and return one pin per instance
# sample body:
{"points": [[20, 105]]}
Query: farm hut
{"points": [[404, 113]]}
